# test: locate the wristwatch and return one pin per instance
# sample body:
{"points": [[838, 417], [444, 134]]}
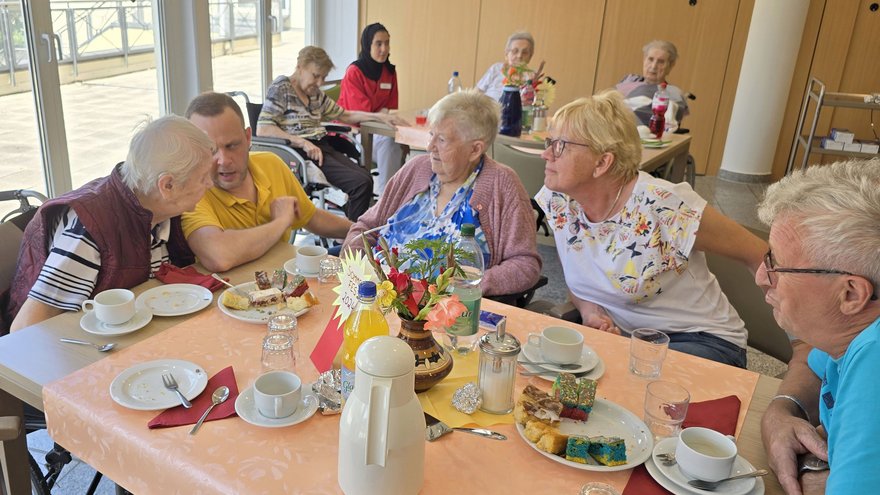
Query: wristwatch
{"points": [[809, 462]]}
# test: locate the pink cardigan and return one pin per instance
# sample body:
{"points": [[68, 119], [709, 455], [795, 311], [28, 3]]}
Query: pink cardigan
{"points": [[505, 216]]}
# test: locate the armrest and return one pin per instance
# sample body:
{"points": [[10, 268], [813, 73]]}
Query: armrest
{"points": [[274, 140], [565, 311], [337, 128]]}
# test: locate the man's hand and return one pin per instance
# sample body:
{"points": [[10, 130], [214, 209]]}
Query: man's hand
{"points": [[785, 437], [313, 152], [813, 482], [285, 208]]}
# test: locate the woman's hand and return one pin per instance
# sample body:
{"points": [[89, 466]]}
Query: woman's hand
{"points": [[313, 152], [594, 315], [394, 119]]}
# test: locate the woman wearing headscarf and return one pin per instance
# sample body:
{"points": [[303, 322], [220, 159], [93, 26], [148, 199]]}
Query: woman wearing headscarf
{"points": [[370, 85]]}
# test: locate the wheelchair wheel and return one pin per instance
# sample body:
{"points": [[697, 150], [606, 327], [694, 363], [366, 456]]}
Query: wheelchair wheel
{"points": [[38, 480]]}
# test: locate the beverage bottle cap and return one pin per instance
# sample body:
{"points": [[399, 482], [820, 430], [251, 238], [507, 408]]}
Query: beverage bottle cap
{"points": [[367, 289], [455, 73], [468, 230]]}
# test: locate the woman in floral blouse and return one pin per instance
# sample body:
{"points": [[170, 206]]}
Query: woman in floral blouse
{"points": [[631, 245]]}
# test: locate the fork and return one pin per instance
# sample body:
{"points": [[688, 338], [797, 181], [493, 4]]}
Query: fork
{"points": [[171, 384]]}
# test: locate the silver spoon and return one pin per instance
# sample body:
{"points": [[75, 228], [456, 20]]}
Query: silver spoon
{"points": [[218, 397], [712, 485], [99, 347], [570, 366]]}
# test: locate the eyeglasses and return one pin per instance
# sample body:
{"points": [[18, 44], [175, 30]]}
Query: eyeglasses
{"points": [[769, 268], [558, 146]]}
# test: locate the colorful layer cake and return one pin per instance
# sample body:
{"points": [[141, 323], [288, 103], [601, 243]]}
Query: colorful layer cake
{"points": [[576, 395], [609, 451], [578, 450]]}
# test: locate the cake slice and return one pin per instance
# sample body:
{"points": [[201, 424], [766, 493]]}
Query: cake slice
{"points": [[231, 299], [262, 280], [577, 395], [608, 451], [552, 441], [535, 430], [578, 450], [266, 297]]}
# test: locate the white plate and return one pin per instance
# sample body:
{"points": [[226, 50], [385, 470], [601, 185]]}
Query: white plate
{"points": [[140, 387], [291, 268], [665, 482], [673, 473], [246, 409], [90, 323], [175, 299], [589, 359], [254, 314], [610, 420]]}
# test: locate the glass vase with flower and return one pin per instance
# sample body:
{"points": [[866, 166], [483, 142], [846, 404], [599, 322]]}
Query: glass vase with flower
{"points": [[415, 282]]}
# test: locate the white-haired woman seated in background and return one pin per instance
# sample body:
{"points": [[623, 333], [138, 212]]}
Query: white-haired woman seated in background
{"points": [[518, 51], [638, 89], [456, 183]]}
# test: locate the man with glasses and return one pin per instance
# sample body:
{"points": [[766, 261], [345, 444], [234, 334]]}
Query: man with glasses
{"points": [[820, 276]]}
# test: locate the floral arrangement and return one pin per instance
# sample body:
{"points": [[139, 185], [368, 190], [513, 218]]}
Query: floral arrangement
{"points": [[516, 75], [546, 91], [417, 283]]}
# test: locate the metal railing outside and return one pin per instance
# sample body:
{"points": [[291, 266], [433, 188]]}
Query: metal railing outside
{"points": [[91, 30]]}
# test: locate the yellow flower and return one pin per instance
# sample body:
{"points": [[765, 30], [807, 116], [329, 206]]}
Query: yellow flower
{"points": [[386, 293]]}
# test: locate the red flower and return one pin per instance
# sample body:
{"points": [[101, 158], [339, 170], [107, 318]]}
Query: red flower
{"points": [[401, 280]]}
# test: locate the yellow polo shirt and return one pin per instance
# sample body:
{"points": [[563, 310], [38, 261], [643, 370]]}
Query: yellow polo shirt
{"points": [[272, 178]]}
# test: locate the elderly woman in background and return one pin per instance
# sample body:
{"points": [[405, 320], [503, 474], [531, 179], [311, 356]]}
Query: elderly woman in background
{"points": [[370, 85], [631, 245], [821, 276], [660, 57], [295, 108], [456, 183], [519, 50]]}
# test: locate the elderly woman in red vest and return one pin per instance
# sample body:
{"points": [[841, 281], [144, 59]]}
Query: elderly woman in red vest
{"points": [[113, 232]]}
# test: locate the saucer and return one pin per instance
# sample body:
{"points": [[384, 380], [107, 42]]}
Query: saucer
{"points": [[246, 409], [673, 473], [589, 359], [291, 268], [90, 323]]}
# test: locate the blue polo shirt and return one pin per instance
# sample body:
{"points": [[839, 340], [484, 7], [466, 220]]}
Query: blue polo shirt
{"points": [[849, 409]]}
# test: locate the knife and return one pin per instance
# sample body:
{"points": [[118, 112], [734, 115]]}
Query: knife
{"points": [[436, 429]]}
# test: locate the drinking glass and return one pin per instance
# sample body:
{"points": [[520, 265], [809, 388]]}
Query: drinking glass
{"points": [[328, 270], [285, 323], [647, 350], [278, 353], [666, 405]]}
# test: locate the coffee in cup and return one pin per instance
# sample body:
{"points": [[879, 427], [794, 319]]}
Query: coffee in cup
{"points": [[560, 345], [113, 307], [277, 394], [308, 259], [705, 454]]}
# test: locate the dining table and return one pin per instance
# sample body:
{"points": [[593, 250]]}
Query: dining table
{"points": [[71, 385], [672, 150]]}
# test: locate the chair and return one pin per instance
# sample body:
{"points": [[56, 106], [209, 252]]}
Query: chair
{"points": [[528, 166], [11, 234], [521, 299]]}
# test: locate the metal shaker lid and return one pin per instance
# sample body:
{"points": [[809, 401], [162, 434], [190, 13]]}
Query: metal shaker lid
{"points": [[500, 343]]}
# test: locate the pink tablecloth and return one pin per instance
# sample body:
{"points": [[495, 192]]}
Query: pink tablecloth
{"points": [[231, 456]]}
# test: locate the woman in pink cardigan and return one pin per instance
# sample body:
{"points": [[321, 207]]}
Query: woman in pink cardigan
{"points": [[456, 183]]}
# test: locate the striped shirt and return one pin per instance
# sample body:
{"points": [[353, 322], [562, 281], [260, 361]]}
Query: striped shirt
{"points": [[71, 270], [282, 107]]}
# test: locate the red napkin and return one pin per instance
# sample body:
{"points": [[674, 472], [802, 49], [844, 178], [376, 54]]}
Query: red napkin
{"points": [[170, 274], [180, 415], [718, 414]]}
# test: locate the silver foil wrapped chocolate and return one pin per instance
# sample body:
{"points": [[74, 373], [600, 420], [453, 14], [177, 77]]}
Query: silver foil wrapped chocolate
{"points": [[468, 398], [328, 389]]}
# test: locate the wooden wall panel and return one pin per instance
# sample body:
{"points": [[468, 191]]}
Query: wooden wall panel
{"points": [[429, 40], [702, 33], [566, 36]]}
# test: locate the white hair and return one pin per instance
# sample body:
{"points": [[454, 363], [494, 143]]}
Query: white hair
{"points": [[520, 35], [476, 115], [664, 45], [169, 145], [837, 211]]}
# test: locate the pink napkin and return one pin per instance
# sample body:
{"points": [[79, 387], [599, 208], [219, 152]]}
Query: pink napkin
{"points": [[718, 414], [170, 274], [180, 415]]}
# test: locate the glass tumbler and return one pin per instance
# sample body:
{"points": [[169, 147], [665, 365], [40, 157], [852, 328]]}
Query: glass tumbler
{"points": [[278, 353], [285, 323], [328, 270]]}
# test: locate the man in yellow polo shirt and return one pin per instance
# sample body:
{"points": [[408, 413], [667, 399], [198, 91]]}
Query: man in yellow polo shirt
{"points": [[256, 201]]}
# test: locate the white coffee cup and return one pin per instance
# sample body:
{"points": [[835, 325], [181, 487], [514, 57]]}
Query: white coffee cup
{"points": [[308, 259], [561, 345], [277, 394], [113, 307], [705, 454]]}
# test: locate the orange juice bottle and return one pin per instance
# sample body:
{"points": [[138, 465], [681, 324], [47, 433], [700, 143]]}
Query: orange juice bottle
{"points": [[365, 322]]}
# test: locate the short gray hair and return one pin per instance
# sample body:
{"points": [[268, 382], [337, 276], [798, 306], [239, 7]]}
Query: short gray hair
{"points": [[664, 45], [475, 115], [168, 145], [837, 211], [520, 35]]}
